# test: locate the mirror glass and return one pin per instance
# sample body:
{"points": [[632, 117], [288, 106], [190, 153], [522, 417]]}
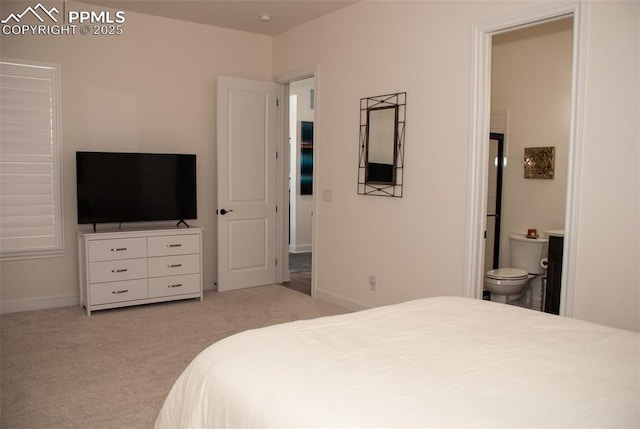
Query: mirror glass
{"points": [[381, 144]]}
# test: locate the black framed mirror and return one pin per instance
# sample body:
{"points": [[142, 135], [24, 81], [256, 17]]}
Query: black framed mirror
{"points": [[382, 123]]}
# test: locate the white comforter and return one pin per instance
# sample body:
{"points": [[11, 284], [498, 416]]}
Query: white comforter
{"points": [[437, 362]]}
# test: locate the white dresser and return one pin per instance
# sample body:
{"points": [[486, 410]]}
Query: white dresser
{"points": [[123, 268]]}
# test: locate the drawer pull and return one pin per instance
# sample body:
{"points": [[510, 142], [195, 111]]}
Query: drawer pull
{"points": [[116, 292], [118, 249], [121, 270], [174, 245], [176, 285], [174, 266]]}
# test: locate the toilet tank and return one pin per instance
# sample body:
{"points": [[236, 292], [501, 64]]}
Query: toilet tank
{"points": [[526, 253]]}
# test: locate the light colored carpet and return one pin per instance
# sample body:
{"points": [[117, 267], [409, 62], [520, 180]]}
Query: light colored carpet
{"points": [[62, 369]]}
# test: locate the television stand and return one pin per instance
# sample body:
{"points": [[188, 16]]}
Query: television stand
{"points": [[123, 268], [182, 221]]}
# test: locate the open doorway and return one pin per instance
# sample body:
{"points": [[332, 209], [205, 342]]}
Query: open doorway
{"points": [[301, 148], [530, 102], [481, 106]]}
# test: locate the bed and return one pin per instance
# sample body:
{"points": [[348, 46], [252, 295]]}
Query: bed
{"points": [[435, 362]]}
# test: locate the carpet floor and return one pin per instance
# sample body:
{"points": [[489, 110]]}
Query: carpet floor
{"points": [[62, 369], [299, 262]]}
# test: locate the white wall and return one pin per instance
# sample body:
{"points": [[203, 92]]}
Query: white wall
{"points": [[531, 79], [150, 89], [608, 271], [415, 245]]}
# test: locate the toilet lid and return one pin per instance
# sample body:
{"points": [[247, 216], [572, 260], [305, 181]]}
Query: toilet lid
{"points": [[507, 274]]}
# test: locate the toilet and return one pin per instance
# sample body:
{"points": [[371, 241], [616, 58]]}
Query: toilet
{"points": [[527, 260]]}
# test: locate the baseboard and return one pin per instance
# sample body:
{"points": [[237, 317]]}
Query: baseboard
{"points": [[300, 248], [18, 305], [338, 300]]}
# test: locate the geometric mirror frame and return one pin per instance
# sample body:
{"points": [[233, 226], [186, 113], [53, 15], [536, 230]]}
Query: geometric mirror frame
{"points": [[381, 141]]}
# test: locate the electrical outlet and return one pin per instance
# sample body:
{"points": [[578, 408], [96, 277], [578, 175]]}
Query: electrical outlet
{"points": [[372, 283]]}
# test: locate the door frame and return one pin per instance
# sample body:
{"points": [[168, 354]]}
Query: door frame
{"points": [[283, 80], [479, 125]]}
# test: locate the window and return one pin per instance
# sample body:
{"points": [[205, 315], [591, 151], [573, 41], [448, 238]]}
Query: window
{"points": [[30, 161]]}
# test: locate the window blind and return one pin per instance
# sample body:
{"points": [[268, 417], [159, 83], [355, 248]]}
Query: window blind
{"points": [[30, 164]]}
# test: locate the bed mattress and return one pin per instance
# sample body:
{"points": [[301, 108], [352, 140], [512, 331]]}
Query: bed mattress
{"points": [[436, 362]]}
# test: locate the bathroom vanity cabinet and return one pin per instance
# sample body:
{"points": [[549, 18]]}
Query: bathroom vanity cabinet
{"points": [[554, 275]]}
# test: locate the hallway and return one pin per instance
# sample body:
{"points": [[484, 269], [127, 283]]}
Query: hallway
{"points": [[300, 269]]}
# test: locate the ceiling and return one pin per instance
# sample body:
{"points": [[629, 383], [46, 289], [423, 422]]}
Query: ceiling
{"points": [[241, 15]]}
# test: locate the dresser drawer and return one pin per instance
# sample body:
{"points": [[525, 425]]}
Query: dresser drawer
{"points": [[129, 290], [174, 285], [111, 271], [174, 265], [117, 248], [174, 245]]}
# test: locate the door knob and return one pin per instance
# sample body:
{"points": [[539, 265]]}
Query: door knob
{"points": [[224, 211]]}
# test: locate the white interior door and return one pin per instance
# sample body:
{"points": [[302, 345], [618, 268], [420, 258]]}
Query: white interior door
{"points": [[246, 150]]}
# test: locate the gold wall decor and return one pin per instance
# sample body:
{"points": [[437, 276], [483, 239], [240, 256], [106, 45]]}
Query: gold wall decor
{"points": [[539, 162]]}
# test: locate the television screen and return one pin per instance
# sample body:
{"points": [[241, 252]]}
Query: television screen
{"points": [[135, 187]]}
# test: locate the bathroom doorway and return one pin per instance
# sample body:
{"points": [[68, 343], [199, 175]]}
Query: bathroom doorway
{"points": [[531, 89]]}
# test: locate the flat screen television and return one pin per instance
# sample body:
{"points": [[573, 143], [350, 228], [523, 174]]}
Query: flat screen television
{"points": [[115, 187]]}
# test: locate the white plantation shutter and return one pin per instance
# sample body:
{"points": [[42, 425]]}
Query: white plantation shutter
{"points": [[30, 164]]}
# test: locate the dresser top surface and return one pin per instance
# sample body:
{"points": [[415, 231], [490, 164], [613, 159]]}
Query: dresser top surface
{"points": [[138, 232]]}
